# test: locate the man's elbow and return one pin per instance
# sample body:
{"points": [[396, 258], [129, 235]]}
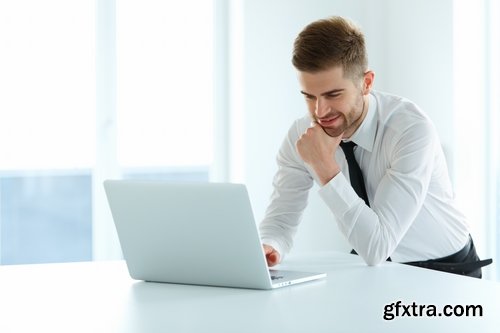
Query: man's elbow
{"points": [[374, 260]]}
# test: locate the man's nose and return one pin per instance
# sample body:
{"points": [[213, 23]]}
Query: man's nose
{"points": [[322, 108]]}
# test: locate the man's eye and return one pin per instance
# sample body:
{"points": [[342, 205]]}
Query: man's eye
{"points": [[309, 97], [332, 95]]}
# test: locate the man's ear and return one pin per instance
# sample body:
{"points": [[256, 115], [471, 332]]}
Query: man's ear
{"points": [[368, 79]]}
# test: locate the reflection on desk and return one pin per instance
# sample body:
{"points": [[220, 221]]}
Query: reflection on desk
{"points": [[101, 297]]}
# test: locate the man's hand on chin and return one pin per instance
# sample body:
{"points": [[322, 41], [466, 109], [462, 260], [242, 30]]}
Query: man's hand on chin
{"points": [[317, 149]]}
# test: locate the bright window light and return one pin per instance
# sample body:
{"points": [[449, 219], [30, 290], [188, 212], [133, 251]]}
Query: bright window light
{"points": [[47, 84], [47, 130], [164, 83]]}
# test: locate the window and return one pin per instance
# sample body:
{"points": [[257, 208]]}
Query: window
{"points": [[493, 40], [476, 54], [164, 86], [47, 131], [91, 90], [46, 217]]}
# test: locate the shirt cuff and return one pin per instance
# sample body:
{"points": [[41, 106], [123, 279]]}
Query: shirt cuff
{"points": [[339, 195]]}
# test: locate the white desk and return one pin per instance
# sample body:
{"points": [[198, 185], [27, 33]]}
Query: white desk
{"points": [[100, 297]]}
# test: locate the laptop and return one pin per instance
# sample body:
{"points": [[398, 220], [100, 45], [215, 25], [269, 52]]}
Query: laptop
{"points": [[194, 233]]}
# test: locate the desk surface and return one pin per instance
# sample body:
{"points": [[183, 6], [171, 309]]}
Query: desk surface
{"points": [[101, 297]]}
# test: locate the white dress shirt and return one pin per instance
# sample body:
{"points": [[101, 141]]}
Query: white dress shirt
{"points": [[412, 214]]}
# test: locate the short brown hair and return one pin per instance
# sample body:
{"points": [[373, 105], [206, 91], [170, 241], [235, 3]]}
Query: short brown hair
{"points": [[328, 43]]}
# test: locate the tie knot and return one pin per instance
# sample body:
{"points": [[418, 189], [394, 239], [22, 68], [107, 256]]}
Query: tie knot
{"points": [[347, 146]]}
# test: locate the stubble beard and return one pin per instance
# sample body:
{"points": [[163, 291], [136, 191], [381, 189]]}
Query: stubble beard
{"points": [[335, 132], [348, 125]]}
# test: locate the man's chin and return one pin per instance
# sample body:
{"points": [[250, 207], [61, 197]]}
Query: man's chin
{"points": [[333, 132]]}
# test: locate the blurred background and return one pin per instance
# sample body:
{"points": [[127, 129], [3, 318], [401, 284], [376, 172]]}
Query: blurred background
{"points": [[204, 90]]}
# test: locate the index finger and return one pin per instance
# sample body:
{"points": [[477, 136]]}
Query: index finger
{"points": [[267, 249]]}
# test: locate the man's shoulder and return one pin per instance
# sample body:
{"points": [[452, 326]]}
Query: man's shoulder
{"points": [[394, 110], [401, 118]]}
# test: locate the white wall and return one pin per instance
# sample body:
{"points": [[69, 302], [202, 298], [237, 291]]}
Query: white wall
{"points": [[410, 49]]}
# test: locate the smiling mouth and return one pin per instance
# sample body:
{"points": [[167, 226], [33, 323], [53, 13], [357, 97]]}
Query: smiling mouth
{"points": [[326, 122]]}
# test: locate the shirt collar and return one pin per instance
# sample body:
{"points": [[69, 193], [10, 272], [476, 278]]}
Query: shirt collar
{"points": [[365, 134]]}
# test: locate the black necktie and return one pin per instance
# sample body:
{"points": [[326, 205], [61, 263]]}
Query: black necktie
{"points": [[355, 175]]}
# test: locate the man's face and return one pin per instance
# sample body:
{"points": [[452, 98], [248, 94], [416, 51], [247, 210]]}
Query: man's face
{"points": [[335, 102]]}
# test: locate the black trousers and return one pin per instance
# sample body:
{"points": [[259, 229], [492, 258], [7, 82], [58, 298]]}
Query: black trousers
{"points": [[464, 262]]}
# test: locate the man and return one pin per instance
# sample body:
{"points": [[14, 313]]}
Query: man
{"points": [[401, 208]]}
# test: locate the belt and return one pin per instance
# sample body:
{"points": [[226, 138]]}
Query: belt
{"points": [[458, 268], [462, 262]]}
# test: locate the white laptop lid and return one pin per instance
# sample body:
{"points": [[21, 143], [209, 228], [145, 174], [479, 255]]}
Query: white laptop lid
{"points": [[195, 233]]}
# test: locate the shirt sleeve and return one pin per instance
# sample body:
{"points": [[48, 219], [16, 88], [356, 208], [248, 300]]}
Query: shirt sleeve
{"points": [[375, 232], [291, 186]]}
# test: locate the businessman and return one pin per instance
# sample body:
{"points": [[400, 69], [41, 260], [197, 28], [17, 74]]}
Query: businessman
{"points": [[377, 159]]}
